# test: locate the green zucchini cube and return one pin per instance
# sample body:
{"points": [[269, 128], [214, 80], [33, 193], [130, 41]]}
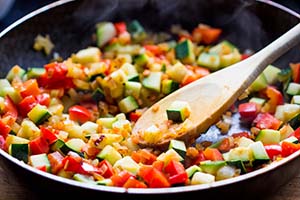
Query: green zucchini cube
{"points": [[19, 151], [184, 51], [178, 111]]}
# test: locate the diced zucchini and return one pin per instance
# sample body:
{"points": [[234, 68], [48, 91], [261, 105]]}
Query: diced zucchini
{"points": [[293, 89], [244, 142], [177, 72], [178, 111], [295, 122], [110, 154], [291, 139], [133, 89], [238, 164], [105, 32], [19, 151], [296, 99], [222, 48], [209, 60], [239, 153], [73, 144], [184, 51], [106, 121], [40, 160], [268, 136], [88, 55], [15, 71], [35, 72], [89, 128], [106, 182], [130, 72], [259, 83], [152, 134], [259, 153], [169, 155], [141, 60], [178, 146], [202, 178], [258, 101], [98, 95], [12, 93], [211, 167], [39, 114], [285, 131], [57, 145], [271, 73], [229, 59], [153, 81], [137, 31], [101, 140], [284, 74], [127, 163], [128, 104], [84, 178], [192, 170], [287, 111], [169, 86], [12, 139]]}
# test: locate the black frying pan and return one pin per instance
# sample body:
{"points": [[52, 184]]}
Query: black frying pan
{"points": [[249, 24]]}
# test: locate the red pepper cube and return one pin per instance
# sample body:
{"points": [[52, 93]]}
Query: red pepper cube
{"points": [[248, 110]]}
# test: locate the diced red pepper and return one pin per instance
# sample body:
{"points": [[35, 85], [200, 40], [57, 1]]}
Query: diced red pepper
{"points": [[295, 67], [273, 150], [159, 165], [153, 177], [10, 108], [121, 178], [212, 154], [30, 87], [73, 163], [275, 99], [296, 133], [39, 145], [181, 178], [120, 27], [248, 110], [288, 148], [134, 116], [42, 168], [4, 129], [43, 99], [55, 77], [106, 168], [26, 105], [56, 161], [225, 145], [266, 121], [143, 156], [189, 78], [154, 49], [79, 114], [208, 34], [48, 135], [134, 183]]}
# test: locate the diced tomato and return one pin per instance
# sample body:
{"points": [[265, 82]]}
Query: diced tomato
{"points": [[121, 178], [73, 163], [295, 68], [273, 150], [26, 105], [56, 161], [176, 172], [30, 87], [48, 135], [143, 156], [154, 49], [55, 77], [153, 177], [266, 121], [208, 34], [196, 161], [10, 108], [42, 168], [2, 143], [120, 27], [134, 183], [79, 114], [288, 148], [212, 154], [43, 99], [225, 145], [248, 110], [134, 116], [106, 168], [4, 129], [39, 145], [296, 133]]}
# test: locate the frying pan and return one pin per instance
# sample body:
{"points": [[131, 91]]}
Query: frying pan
{"points": [[249, 24]]}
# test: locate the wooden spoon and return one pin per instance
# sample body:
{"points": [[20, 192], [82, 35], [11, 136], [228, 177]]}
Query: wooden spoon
{"points": [[211, 96]]}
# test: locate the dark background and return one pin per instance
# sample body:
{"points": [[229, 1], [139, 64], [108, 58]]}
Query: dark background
{"points": [[23, 7]]}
